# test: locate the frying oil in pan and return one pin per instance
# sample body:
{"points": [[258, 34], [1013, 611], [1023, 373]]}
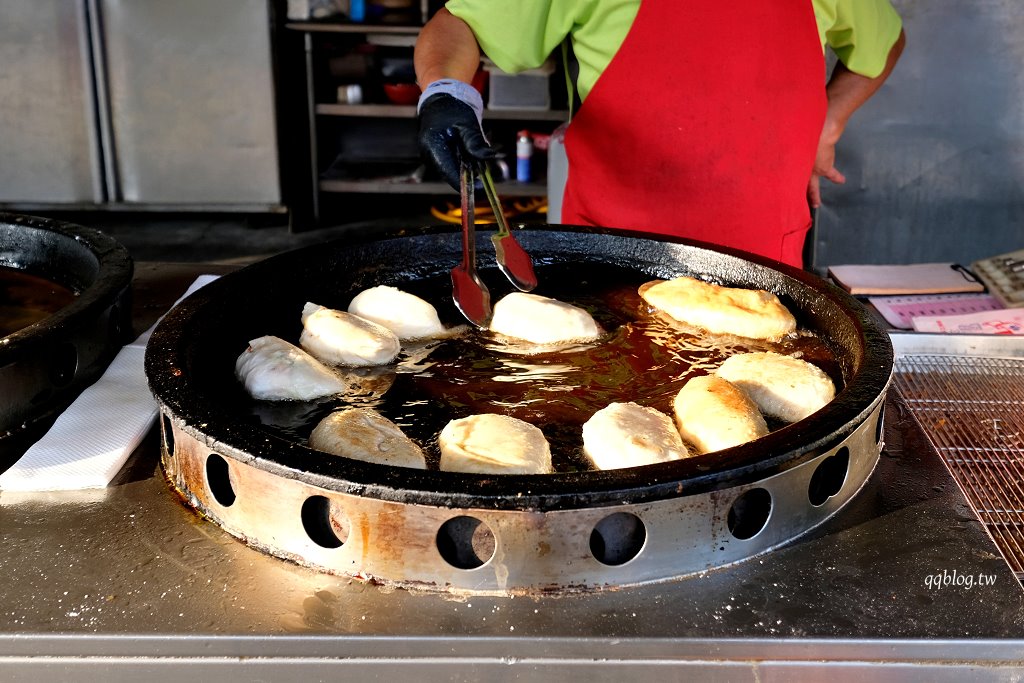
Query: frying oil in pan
{"points": [[26, 299], [642, 358]]}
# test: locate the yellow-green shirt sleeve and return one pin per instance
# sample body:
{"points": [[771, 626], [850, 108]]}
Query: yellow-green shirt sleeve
{"points": [[515, 35], [520, 34], [860, 32]]}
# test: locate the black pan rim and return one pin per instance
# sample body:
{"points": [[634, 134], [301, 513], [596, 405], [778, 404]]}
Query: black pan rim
{"points": [[113, 277], [788, 446]]}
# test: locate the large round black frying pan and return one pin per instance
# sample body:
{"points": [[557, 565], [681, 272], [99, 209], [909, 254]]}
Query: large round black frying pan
{"points": [[190, 363], [44, 366]]}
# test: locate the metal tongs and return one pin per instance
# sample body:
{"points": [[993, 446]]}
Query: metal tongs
{"points": [[471, 295], [468, 290], [512, 258]]}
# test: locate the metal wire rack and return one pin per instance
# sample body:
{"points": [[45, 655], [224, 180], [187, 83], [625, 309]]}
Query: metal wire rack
{"points": [[972, 411]]}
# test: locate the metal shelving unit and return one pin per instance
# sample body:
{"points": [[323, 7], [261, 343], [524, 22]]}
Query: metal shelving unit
{"points": [[510, 189], [336, 27], [321, 114]]}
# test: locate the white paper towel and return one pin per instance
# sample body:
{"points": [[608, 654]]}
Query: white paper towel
{"points": [[91, 440]]}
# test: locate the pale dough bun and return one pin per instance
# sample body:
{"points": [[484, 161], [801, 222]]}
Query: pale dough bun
{"points": [[712, 414], [364, 434], [340, 338], [541, 320], [752, 313], [782, 386], [494, 444], [274, 370], [407, 315], [630, 435]]}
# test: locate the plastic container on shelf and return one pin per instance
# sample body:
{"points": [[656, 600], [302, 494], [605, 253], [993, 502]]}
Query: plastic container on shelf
{"points": [[350, 94], [524, 90]]}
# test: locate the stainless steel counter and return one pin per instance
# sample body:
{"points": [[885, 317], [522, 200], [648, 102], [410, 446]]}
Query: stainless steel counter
{"points": [[128, 582]]}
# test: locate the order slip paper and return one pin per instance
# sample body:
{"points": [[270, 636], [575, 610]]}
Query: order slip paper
{"points": [[1003, 321]]}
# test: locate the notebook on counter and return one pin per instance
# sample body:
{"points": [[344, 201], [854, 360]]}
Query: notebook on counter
{"points": [[903, 312], [917, 278]]}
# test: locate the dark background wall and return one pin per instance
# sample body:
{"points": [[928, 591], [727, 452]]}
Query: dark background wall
{"points": [[935, 161]]}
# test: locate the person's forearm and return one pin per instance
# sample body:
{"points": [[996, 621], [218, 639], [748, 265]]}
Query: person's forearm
{"points": [[847, 91], [446, 48]]}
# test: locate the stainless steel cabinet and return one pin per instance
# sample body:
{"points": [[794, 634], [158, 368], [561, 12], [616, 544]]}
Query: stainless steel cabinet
{"points": [[191, 100], [49, 144], [138, 103]]}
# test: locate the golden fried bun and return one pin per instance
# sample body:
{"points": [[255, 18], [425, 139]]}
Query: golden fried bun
{"points": [[752, 313], [541, 320], [712, 414], [340, 338], [630, 435], [782, 386], [274, 370], [407, 315], [364, 434], [494, 444]]}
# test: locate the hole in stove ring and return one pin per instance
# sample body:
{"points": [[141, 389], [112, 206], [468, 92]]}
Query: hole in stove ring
{"points": [[325, 525], [218, 479], [114, 323], [618, 538], [167, 432], [880, 426], [749, 513], [829, 477], [63, 364], [465, 542]]}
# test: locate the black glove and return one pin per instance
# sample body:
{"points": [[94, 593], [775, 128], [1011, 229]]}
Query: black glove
{"points": [[449, 131]]}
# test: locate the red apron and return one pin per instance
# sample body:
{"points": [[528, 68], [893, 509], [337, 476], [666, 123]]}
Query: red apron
{"points": [[705, 125]]}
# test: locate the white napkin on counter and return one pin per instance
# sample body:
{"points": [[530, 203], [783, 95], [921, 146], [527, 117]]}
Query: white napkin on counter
{"points": [[91, 440]]}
